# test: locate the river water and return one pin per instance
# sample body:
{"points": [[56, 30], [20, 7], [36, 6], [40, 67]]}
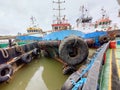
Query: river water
{"points": [[40, 74]]}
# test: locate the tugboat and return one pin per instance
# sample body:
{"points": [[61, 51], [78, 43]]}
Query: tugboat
{"points": [[68, 46], [105, 22], [61, 23], [85, 24], [34, 27], [34, 32]]}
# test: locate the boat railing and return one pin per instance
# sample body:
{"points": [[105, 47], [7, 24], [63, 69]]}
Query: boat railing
{"points": [[92, 69]]}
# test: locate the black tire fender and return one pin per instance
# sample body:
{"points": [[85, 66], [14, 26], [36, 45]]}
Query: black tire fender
{"points": [[6, 71], [73, 50], [69, 70], [26, 58], [51, 52], [103, 39], [90, 42], [36, 52]]}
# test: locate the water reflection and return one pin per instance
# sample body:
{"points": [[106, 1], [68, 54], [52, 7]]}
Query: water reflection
{"points": [[40, 74], [37, 82]]}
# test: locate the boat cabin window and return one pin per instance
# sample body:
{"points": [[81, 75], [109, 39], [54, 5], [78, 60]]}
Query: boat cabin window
{"points": [[100, 23], [103, 23], [56, 28]]}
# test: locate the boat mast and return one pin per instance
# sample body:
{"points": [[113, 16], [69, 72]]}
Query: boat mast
{"points": [[82, 9], [59, 10], [104, 15], [84, 17], [33, 22], [33, 28]]}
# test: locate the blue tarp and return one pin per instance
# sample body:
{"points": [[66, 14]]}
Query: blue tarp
{"points": [[29, 38], [95, 34], [60, 35]]}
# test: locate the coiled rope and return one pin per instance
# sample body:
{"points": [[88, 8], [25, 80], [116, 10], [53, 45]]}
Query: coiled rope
{"points": [[4, 53]]}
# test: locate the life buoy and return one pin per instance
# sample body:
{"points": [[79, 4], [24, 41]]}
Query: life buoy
{"points": [[6, 71], [26, 58], [73, 50]]}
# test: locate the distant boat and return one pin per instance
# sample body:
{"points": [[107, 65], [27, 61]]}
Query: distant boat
{"points": [[34, 28], [60, 23], [85, 24]]}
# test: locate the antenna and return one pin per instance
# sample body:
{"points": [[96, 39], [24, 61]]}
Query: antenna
{"points": [[84, 11], [59, 10], [33, 21], [103, 12]]}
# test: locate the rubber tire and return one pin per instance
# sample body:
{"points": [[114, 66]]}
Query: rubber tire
{"points": [[90, 42], [36, 52], [69, 70], [52, 52], [26, 58], [45, 53], [8, 71], [79, 45], [103, 39]]}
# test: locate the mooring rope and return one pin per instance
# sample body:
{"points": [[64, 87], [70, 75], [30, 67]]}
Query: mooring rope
{"points": [[4, 53]]}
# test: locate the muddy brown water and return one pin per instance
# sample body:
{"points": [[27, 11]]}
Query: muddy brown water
{"points": [[40, 74]]}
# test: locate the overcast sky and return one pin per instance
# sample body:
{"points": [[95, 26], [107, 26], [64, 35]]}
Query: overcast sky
{"points": [[15, 14]]}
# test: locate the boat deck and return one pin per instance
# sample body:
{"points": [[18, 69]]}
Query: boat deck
{"points": [[111, 70]]}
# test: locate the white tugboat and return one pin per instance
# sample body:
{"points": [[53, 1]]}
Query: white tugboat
{"points": [[85, 24]]}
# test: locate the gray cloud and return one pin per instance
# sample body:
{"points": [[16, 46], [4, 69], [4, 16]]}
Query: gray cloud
{"points": [[15, 14]]}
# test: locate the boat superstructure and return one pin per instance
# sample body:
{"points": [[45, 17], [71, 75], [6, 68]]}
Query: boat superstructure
{"points": [[60, 23], [105, 23], [34, 28], [84, 22]]}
